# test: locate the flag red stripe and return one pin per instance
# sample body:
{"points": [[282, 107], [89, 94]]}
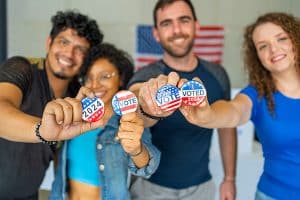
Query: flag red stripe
{"points": [[128, 107], [122, 98], [211, 28], [209, 36]]}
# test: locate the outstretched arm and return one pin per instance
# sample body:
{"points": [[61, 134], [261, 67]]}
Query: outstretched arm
{"points": [[221, 114]]}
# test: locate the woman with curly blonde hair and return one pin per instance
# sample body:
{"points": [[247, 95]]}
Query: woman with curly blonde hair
{"points": [[271, 101]]}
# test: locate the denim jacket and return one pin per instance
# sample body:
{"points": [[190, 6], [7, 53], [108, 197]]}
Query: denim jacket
{"points": [[113, 162]]}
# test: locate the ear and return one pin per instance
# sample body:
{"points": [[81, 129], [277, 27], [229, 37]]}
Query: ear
{"points": [[48, 43], [155, 34]]}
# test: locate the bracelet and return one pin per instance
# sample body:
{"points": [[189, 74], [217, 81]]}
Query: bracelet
{"points": [[138, 153], [37, 133], [150, 116]]}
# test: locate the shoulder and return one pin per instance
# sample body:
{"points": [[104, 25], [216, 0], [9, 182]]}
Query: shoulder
{"points": [[145, 73], [217, 70], [219, 74]]}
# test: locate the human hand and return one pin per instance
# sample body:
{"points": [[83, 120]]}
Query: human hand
{"points": [[227, 190], [130, 133], [198, 114], [62, 120], [148, 90]]}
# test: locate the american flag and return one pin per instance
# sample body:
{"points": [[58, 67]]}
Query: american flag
{"points": [[208, 45]]}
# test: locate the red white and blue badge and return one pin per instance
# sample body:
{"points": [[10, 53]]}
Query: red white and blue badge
{"points": [[168, 98], [124, 102], [193, 93], [92, 109]]}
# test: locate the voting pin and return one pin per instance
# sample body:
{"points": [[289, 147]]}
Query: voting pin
{"points": [[193, 93], [124, 102], [168, 97], [92, 109]]}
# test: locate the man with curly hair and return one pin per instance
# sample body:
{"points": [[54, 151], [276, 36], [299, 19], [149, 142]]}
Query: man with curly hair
{"points": [[26, 89]]}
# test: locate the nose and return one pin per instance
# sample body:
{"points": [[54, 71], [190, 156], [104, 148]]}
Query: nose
{"points": [[177, 28], [273, 47], [69, 50]]}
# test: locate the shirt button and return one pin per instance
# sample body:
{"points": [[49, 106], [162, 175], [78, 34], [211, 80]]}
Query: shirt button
{"points": [[99, 146], [101, 167]]}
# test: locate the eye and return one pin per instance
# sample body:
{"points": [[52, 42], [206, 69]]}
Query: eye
{"points": [[262, 47], [81, 50], [87, 80], [283, 38], [185, 20], [165, 23], [63, 42]]}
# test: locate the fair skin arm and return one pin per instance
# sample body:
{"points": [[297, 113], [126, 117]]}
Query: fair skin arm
{"points": [[221, 114], [146, 96], [228, 148], [61, 118]]}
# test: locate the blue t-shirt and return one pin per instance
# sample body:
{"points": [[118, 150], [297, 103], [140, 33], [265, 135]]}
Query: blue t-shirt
{"points": [[280, 139], [82, 160], [184, 147]]}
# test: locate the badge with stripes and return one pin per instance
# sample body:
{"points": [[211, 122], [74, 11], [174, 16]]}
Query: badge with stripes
{"points": [[92, 109], [193, 93], [168, 97], [124, 102]]}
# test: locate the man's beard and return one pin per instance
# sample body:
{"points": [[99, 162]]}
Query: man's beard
{"points": [[175, 54], [60, 75]]}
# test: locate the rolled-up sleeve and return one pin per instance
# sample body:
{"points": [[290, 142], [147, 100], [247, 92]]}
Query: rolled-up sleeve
{"points": [[154, 155]]}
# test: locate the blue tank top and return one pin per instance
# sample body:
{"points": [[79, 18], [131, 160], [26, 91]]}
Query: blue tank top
{"points": [[82, 160]]}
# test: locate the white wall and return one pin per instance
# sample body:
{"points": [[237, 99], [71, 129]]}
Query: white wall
{"points": [[29, 23]]}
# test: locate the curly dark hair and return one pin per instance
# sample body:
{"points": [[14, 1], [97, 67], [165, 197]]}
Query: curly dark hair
{"points": [[258, 76], [84, 26], [119, 58], [162, 3]]}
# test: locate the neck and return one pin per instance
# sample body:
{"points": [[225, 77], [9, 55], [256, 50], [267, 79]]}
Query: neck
{"points": [[288, 83], [58, 86], [185, 64]]}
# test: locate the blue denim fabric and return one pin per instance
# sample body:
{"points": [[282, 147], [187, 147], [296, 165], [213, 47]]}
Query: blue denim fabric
{"points": [[116, 165]]}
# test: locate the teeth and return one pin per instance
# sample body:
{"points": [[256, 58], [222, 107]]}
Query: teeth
{"points": [[178, 40], [99, 94], [278, 58], [64, 62]]}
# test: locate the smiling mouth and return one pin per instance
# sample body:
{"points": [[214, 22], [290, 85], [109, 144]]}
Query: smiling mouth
{"points": [[278, 58]]}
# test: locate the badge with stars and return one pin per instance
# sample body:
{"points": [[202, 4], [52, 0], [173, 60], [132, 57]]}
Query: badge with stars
{"points": [[193, 93], [124, 102], [92, 109], [168, 97]]}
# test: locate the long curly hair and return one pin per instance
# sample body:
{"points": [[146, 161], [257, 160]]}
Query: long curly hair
{"points": [[258, 76]]}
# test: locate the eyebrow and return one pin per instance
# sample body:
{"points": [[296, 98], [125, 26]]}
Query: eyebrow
{"points": [[179, 18]]}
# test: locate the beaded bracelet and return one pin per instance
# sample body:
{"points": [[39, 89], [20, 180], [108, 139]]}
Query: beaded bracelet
{"points": [[150, 116], [37, 133]]}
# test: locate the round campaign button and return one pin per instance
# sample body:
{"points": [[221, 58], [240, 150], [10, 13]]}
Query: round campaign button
{"points": [[193, 93], [92, 109], [168, 97], [124, 102]]}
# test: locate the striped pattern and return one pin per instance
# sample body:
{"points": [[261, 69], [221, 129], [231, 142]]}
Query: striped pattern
{"points": [[124, 102], [209, 43]]}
